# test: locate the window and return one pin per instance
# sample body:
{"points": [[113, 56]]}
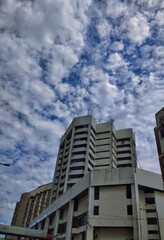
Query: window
{"points": [[78, 153], [124, 145], [96, 210], [129, 210], [123, 158], [151, 221], [97, 193], [124, 152], [81, 126], [62, 227], [162, 133], [124, 165], [76, 205], [153, 232], [128, 191], [123, 139], [151, 210], [61, 214], [148, 190], [150, 200]]}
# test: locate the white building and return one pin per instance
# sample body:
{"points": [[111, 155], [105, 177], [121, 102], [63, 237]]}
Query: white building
{"points": [[98, 192], [87, 145]]}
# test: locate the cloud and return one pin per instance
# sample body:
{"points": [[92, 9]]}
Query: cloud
{"points": [[59, 59], [138, 28]]}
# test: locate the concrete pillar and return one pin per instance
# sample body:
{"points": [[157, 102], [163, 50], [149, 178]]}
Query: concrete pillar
{"points": [[136, 210], [69, 220], [46, 224], [89, 232], [56, 225]]}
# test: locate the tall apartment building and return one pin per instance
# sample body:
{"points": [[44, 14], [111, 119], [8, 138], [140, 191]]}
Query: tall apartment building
{"points": [[159, 134], [87, 145], [31, 205]]}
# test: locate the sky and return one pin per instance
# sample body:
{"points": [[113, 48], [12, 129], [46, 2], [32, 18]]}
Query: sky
{"points": [[60, 59]]}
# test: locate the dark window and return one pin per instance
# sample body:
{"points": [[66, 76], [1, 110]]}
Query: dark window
{"points": [[80, 139], [97, 193], [79, 221], [79, 146], [62, 227], [77, 160], [61, 213], [151, 221], [76, 176], [162, 133], [80, 133], [129, 210], [61, 192], [98, 133], [51, 219], [128, 191], [148, 190], [150, 200], [123, 145], [76, 205], [124, 165], [42, 224], [124, 152], [77, 167], [153, 232], [96, 210], [81, 126], [83, 235], [123, 158], [151, 210], [123, 139], [78, 153]]}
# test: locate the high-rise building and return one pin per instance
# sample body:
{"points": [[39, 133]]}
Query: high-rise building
{"points": [[159, 134], [87, 145], [31, 205]]}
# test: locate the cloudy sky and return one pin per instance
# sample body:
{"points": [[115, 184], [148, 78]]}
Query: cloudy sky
{"points": [[62, 58]]}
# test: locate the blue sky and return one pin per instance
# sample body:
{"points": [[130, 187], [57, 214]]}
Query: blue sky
{"points": [[62, 58]]}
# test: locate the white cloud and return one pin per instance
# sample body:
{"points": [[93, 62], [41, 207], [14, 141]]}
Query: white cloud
{"points": [[51, 70], [116, 9], [104, 28], [115, 61], [138, 28]]}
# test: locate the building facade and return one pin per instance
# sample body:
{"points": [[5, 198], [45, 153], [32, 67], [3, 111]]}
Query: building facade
{"points": [[159, 134], [31, 205], [98, 191], [87, 145]]}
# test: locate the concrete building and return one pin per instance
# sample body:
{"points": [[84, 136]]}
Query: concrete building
{"points": [[159, 134], [87, 145], [98, 191], [31, 205]]}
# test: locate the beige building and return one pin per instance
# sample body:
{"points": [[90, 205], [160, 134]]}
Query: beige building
{"points": [[31, 205]]}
